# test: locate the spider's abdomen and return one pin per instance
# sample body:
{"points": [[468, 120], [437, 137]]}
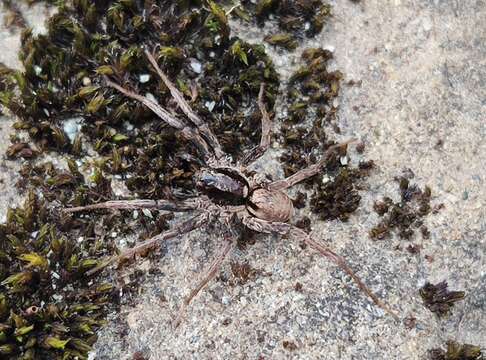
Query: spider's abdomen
{"points": [[268, 205]]}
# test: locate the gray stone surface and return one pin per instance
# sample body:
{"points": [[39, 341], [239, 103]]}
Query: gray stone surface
{"points": [[422, 67]]}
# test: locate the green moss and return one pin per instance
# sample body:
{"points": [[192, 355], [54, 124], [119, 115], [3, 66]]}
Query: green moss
{"points": [[456, 351], [283, 40], [64, 72], [48, 310]]}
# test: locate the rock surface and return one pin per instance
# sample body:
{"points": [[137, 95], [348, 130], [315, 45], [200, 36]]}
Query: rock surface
{"points": [[420, 105]]}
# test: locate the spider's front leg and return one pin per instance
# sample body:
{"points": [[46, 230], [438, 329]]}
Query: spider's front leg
{"points": [[188, 132], [186, 108], [293, 231]]}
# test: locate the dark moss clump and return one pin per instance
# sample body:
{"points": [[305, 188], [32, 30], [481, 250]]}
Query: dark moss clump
{"points": [[311, 115], [243, 272], [289, 345], [282, 40], [297, 17], [456, 351], [310, 93], [405, 216], [438, 299], [338, 198], [48, 309], [20, 150], [64, 78]]}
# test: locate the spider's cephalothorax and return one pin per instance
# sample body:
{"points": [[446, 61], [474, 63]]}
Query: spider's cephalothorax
{"points": [[227, 194], [224, 186]]}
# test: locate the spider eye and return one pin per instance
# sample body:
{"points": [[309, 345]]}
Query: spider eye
{"points": [[207, 180]]}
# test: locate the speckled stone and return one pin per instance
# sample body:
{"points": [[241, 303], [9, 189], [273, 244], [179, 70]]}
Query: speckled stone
{"points": [[421, 68]]}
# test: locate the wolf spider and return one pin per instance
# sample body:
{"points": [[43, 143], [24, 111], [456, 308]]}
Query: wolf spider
{"points": [[254, 201]]}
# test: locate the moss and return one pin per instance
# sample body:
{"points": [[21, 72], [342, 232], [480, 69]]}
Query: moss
{"points": [[289, 345], [282, 40], [406, 216], [299, 17], [438, 299], [64, 72], [338, 198], [306, 132], [48, 309], [456, 351], [243, 272]]}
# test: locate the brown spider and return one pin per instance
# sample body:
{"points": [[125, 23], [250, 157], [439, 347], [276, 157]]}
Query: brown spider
{"points": [[257, 203]]}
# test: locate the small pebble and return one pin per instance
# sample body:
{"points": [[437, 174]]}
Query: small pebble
{"points": [[144, 78]]}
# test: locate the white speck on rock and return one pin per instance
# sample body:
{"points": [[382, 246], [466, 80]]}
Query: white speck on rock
{"points": [[151, 97], [196, 66], [144, 78], [210, 105], [427, 23], [72, 127], [147, 213], [37, 70], [225, 300]]}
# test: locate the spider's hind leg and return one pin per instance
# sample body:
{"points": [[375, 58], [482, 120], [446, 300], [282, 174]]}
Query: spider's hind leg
{"points": [[141, 248], [209, 274], [166, 205], [342, 264], [287, 229]]}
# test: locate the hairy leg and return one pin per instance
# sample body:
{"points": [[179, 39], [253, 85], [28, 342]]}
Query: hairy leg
{"points": [[209, 274], [188, 132], [141, 248], [303, 174], [193, 204], [286, 229], [339, 261], [259, 150], [186, 108]]}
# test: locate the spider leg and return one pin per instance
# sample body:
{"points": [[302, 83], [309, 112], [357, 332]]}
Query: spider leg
{"points": [[209, 274], [303, 174], [193, 204], [186, 108], [341, 263], [188, 132], [286, 229], [259, 150], [141, 248]]}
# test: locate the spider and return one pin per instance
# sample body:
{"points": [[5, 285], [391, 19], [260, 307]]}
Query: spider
{"points": [[229, 194]]}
